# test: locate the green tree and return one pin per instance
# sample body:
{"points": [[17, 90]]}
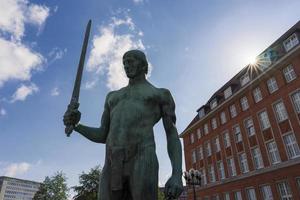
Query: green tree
{"points": [[53, 188], [161, 195], [88, 185]]}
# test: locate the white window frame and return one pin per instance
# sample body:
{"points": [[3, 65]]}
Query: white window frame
{"points": [[233, 111], [245, 79], [257, 95], [249, 126], [200, 152], [199, 133], [251, 194], [284, 190], [289, 73], [226, 196], [296, 101], [272, 85], [291, 145], [244, 103], [280, 111], [273, 152], [194, 156], [231, 167], [237, 195], [227, 92], [221, 169], [192, 138], [223, 117], [266, 192], [213, 103], [237, 134], [203, 177], [226, 139], [201, 113], [264, 120], [211, 173], [257, 158], [205, 129], [243, 163], [214, 124], [208, 148], [217, 146], [291, 42]]}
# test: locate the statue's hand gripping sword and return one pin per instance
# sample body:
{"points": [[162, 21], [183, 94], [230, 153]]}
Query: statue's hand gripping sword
{"points": [[74, 102]]}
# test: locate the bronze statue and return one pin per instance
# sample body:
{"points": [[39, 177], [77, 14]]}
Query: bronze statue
{"points": [[130, 171]]}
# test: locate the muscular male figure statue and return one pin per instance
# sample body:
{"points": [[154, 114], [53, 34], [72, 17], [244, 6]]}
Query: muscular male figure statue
{"points": [[130, 171]]}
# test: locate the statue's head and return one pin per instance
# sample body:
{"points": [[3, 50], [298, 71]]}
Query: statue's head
{"points": [[135, 63]]}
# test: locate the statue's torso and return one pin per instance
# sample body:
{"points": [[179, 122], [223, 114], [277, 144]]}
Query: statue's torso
{"points": [[134, 110]]}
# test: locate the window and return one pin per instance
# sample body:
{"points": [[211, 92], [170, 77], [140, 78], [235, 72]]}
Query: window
{"points": [[227, 92], [244, 103], [264, 120], [226, 196], [199, 134], [231, 167], [205, 128], [245, 79], [257, 159], [193, 156], [211, 173], [298, 182], [192, 138], [221, 170], [249, 127], [289, 73], [285, 191], [233, 112], [266, 192], [237, 133], [243, 163], [208, 149], [291, 146], [272, 85], [296, 101], [214, 123], [290, 42], [251, 194], [200, 152], [217, 144], [238, 195], [257, 95], [223, 117], [280, 111], [213, 103], [226, 140], [215, 197], [273, 152], [203, 177], [201, 113]]}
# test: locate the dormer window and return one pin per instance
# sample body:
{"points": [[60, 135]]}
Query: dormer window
{"points": [[291, 42], [213, 103], [201, 113], [245, 79], [265, 60], [227, 92]]}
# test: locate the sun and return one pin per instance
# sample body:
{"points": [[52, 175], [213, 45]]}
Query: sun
{"points": [[252, 60]]}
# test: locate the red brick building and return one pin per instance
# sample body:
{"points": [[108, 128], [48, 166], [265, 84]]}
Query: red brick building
{"points": [[245, 139]]}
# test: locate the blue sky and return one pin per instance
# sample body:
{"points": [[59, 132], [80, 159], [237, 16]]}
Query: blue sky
{"points": [[193, 46]]}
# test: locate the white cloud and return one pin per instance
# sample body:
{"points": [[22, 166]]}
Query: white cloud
{"points": [[138, 1], [108, 48], [55, 91], [18, 60], [15, 169], [23, 92], [56, 54], [2, 112]]}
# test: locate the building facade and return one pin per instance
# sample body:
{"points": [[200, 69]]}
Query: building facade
{"points": [[17, 189], [245, 139]]}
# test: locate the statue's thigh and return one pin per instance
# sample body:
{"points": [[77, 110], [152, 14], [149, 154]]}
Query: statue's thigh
{"points": [[104, 186], [144, 178]]}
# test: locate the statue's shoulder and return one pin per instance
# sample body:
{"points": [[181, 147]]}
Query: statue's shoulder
{"points": [[115, 94]]}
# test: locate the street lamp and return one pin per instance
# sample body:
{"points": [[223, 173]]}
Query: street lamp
{"points": [[192, 177]]}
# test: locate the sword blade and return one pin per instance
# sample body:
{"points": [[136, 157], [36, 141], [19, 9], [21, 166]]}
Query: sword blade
{"points": [[74, 102]]}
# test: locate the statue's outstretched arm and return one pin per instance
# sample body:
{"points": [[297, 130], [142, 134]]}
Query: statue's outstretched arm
{"points": [[98, 135]]}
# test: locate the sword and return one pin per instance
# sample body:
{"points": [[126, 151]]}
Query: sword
{"points": [[74, 102]]}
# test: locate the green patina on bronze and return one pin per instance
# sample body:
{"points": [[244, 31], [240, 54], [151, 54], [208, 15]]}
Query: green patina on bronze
{"points": [[131, 168]]}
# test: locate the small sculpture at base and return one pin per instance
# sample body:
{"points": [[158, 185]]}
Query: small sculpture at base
{"points": [[130, 171]]}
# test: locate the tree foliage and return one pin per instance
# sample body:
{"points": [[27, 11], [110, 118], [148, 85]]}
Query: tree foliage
{"points": [[88, 185], [53, 188], [161, 195]]}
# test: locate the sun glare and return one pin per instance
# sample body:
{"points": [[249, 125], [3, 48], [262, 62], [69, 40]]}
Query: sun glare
{"points": [[252, 60]]}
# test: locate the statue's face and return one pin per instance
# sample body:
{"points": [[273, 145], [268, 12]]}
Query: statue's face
{"points": [[132, 66]]}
